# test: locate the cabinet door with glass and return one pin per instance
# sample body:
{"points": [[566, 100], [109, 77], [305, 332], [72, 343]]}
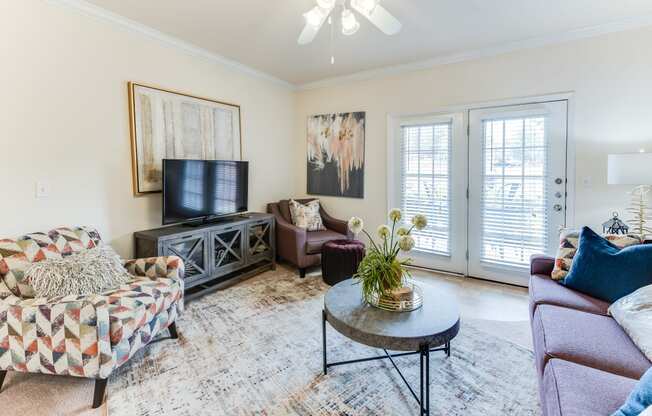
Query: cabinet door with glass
{"points": [[192, 249], [260, 240], [227, 247]]}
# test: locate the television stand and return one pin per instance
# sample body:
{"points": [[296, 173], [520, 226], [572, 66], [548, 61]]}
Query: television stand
{"points": [[214, 253]]}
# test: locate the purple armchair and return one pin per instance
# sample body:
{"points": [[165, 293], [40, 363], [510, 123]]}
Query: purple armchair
{"points": [[298, 246]]}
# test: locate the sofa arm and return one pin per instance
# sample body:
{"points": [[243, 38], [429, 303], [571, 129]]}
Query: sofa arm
{"points": [[171, 267], [336, 225], [64, 335], [290, 241], [541, 264]]}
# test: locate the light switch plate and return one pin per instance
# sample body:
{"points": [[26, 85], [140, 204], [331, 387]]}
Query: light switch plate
{"points": [[42, 190]]}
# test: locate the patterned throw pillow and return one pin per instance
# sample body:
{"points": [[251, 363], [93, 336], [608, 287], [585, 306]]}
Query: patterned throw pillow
{"points": [[306, 216], [568, 242]]}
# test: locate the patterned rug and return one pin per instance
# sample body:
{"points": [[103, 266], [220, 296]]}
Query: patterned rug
{"points": [[255, 349]]}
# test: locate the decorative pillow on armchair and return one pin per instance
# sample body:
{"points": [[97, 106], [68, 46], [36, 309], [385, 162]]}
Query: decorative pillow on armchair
{"points": [[87, 272], [306, 216], [568, 242], [605, 271]]}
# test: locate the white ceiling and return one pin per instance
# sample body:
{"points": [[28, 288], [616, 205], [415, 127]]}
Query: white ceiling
{"points": [[262, 34]]}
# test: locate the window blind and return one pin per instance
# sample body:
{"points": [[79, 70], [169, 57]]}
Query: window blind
{"points": [[426, 182], [514, 192]]}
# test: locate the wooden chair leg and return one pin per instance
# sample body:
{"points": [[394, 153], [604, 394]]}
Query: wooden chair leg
{"points": [[2, 377], [302, 272], [173, 331], [100, 391]]}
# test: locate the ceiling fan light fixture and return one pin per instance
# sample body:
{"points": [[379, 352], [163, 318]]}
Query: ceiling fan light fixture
{"points": [[315, 17], [350, 24], [364, 6], [326, 4]]}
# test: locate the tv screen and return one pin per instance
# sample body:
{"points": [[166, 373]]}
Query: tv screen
{"points": [[200, 189]]}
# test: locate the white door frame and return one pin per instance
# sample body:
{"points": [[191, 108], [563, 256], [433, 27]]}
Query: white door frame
{"points": [[394, 136]]}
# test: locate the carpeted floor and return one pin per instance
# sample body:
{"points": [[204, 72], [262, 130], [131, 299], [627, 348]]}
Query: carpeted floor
{"points": [[44, 395], [255, 348]]}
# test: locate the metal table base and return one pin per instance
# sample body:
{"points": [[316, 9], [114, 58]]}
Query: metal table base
{"points": [[423, 399]]}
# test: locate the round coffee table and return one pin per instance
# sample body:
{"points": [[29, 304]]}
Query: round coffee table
{"points": [[425, 330]]}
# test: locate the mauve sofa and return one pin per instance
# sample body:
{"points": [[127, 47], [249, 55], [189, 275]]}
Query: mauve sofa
{"points": [[586, 364]]}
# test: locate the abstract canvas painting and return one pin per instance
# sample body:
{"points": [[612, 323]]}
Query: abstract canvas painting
{"points": [[336, 154], [170, 125]]}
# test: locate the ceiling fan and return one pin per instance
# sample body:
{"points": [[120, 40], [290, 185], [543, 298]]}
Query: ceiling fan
{"points": [[370, 9]]}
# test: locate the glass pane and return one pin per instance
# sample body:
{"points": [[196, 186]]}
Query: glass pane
{"points": [[259, 239], [425, 186], [514, 194], [228, 248], [191, 251]]}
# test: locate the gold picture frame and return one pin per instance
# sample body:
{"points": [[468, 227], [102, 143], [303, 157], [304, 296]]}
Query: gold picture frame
{"points": [[164, 123]]}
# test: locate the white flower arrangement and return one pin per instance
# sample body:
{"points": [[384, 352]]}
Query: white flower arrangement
{"points": [[381, 271]]}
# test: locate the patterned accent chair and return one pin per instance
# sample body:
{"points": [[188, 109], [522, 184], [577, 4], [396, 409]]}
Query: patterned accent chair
{"points": [[82, 336]]}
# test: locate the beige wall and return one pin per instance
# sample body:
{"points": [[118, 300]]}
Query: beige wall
{"points": [[64, 120], [611, 77], [64, 116]]}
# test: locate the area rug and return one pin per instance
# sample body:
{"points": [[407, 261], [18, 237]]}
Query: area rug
{"points": [[255, 349]]}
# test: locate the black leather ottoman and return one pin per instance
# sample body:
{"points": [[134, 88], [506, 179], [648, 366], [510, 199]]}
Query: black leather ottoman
{"points": [[340, 260]]}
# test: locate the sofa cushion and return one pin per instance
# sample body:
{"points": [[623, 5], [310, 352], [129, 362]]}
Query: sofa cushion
{"points": [[17, 254], [584, 338], [605, 271], [570, 389], [544, 290], [316, 239]]}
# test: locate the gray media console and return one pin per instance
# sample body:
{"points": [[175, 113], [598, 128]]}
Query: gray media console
{"points": [[214, 253]]}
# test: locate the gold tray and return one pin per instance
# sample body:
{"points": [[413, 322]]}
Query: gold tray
{"points": [[388, 304]]}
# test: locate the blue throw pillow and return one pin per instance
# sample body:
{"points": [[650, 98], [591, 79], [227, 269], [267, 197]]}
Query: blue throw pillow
{"points": [[604, 271], [639, 399]]}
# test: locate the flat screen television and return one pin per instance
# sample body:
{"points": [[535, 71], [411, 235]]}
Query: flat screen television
{"points": [[201, 190]]}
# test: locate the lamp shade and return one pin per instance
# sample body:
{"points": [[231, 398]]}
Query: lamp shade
{"points": [[630, 169]]}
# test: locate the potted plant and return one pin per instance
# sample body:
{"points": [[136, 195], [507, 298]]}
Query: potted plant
{"points": [[382, 274]]}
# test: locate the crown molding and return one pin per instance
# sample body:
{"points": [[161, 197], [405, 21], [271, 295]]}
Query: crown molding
{"points": [[564, 37], [108, 16], [583, 33]]}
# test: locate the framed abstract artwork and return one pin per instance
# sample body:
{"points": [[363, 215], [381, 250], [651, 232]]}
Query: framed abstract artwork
{"points": [[336, 154], [170, 125]]}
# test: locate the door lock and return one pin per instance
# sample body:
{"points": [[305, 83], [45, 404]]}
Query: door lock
{"points": [[559, 181], [557, 207]]}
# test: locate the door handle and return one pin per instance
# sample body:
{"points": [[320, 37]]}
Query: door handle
{"points": [[557, 207]]}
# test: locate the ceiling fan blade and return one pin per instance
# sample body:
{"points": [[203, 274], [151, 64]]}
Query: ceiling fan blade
{"points": [[314, 16], [381, 18], [308, 34]]}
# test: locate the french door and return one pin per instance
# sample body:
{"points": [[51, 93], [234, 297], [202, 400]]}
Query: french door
{"points": [[517, 187], [492, 183], [433, 183]]}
